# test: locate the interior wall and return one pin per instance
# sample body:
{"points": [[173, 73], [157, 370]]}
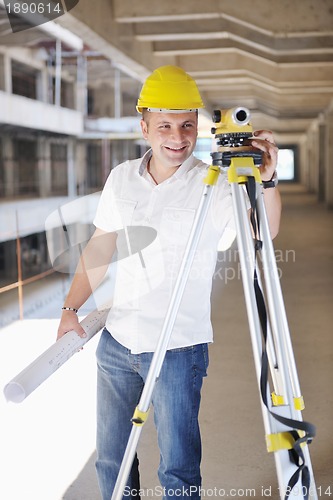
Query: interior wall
{"points": [[329, 156], [316, 158]]}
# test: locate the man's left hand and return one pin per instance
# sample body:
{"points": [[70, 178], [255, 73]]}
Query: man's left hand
{"points": [[264, 141]]}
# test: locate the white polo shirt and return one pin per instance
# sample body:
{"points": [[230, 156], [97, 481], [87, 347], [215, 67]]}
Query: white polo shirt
{"points": [[155, 223]]}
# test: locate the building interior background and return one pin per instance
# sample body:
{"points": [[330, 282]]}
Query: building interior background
{"points": [[68, 90]]}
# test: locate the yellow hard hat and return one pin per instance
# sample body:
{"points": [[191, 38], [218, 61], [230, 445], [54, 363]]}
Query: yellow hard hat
{"points": [[169, 88]]}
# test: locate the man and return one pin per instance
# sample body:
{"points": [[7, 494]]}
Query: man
{"points": [[161, 191]]}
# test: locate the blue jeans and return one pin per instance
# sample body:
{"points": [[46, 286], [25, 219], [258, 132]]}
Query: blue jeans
{"points": [[176, 401]]}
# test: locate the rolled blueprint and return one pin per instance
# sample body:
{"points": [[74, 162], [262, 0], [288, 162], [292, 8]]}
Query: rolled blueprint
{"points": [[55, 356]]}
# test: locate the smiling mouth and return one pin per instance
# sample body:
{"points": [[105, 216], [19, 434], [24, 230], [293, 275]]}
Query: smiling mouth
{"points": [[177, 150]]}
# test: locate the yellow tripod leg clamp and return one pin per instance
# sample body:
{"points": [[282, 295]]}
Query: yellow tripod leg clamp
{"points": [[280, 441], [279, 401], [212, 175], [139, 417], [299, 403]]}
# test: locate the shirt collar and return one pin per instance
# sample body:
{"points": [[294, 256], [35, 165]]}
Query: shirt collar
{"points": [[144, 161], [180, 172]]}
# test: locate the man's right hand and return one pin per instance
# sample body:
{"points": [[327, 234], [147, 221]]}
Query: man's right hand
{"points": [[69, 321]]}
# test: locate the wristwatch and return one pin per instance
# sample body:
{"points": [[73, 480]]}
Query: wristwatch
{"points": [[272, 183]]}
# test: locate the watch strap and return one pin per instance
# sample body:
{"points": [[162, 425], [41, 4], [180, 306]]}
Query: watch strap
{"points": [[272, 183]]}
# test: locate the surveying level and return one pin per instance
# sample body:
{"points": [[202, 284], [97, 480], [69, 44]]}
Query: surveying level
{"points": [[233, 127], [287, 436]]}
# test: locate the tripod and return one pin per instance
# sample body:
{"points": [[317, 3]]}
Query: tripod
{"points": [[287, 435]]}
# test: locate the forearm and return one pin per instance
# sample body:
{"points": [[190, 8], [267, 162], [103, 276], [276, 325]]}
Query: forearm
{"points": [[273, 206], [83, 285], [79, 292], [264, 142], [91, 269]]}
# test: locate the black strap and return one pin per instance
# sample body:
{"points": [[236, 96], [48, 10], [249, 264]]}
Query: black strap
{"points": [[296, 453]]}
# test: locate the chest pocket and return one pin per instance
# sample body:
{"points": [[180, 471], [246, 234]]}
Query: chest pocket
{"points": [[125, 211], [176, 225]]}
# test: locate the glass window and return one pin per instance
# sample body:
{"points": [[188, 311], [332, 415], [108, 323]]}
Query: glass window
{"points": [[286, 164], [24, 80], [59, 169], [203, 149], [94, 166], [26, 167], [2, 172]]}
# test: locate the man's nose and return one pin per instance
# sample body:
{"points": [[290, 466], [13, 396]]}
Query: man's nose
{"points": [[177, 134]]}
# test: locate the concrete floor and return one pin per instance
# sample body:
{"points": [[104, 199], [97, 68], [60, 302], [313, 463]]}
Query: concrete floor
{"points": [[234, 452]]}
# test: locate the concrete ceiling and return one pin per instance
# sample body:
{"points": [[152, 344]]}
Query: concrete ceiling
{"points": [[274, 57]]}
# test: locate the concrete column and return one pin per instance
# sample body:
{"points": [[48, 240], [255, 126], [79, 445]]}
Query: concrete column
{"points": [[306, 164], [81, 90], [312, 177], [302, 160], [106, 161], [322, 162], [42, 86], [329, 158], [58, 57], [2, 72], [81, 167], [5, 73], [71, 171], [44, 167], [9, 166], [39, 87], [115, 158], [315, 167], [49, 74], [117, 94]]}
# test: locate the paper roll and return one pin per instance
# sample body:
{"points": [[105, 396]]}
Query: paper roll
{"points": [[55, 356]]}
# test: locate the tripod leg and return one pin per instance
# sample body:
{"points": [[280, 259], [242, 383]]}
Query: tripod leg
{"points": [[141, 412], [282, 420], [285, 358], [275, 299]]}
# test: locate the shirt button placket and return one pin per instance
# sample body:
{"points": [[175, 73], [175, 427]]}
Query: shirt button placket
{"points": [[151, 205]]}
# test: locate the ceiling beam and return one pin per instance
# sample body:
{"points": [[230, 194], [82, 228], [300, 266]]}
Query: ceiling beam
{"points": [[268, 17]]}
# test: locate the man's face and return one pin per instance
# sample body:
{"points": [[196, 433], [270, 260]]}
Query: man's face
{"points": [[172, 136]]}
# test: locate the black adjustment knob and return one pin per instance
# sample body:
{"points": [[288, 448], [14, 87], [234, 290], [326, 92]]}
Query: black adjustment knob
{"points": [[213, 130], [217, 115]]}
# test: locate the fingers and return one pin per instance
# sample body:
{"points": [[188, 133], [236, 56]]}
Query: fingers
{"points": [[80, 332], [264, 134], [68, 323], [264, 141]]}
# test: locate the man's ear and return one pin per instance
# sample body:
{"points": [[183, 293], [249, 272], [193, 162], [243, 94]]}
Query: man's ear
{"points": [[144, 129]]}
